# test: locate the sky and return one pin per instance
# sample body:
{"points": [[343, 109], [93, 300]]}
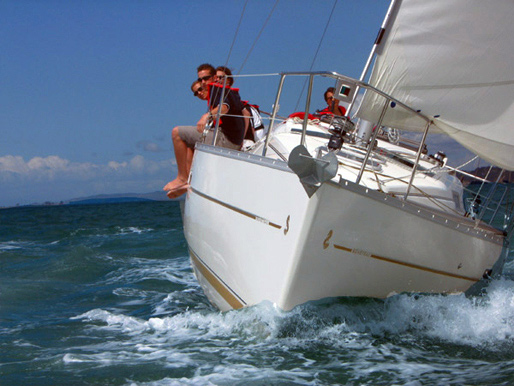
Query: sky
{"points": [[90, 89]]}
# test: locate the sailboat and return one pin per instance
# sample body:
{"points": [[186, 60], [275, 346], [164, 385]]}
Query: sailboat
{"points": [[334, 206]]}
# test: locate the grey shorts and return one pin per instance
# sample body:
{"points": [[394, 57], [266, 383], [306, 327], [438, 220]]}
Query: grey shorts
{"points": [[221, 140], [190, 135]]}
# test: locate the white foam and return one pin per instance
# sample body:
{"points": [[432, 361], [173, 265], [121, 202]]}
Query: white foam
{"points": [[13, 245], [455, 318], [117, 321], [376, 337], [485, 320], [235, 374], [129, 230], [23, 343], [253, 323], [71, 358], [135, 269]]}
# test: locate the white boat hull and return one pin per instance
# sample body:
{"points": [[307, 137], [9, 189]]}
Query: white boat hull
{"points": [[254, 235]]}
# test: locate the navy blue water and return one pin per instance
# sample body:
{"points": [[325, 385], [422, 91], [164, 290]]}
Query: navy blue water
{"points": [[104, 295]]}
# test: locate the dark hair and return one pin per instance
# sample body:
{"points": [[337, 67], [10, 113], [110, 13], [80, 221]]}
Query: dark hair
{"points": [[228, 73], [195, 82], [330, 89], [206, 66]]}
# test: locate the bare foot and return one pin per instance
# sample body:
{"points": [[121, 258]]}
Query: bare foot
{"points": [[172, 185], [179, 191]]}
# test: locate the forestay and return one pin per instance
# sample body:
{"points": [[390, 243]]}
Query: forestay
{"points": [[454, 61]]}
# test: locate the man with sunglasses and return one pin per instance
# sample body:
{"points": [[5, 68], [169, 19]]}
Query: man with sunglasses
{"points": [[232, 122], [199, 91], [184, 138]]}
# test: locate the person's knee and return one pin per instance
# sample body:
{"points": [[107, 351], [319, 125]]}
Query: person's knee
{"points": [[174, 133]]}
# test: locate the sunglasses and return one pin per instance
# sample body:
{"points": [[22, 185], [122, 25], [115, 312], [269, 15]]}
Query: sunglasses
{"points": [[198, 91], [205, 78]]}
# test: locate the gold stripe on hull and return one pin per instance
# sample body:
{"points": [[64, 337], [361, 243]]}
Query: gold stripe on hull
{"points": [[238, 210], [409, 265], [216, 283]]}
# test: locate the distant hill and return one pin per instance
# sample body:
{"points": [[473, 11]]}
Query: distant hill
{"points": [[108, 199], [121, 197]]}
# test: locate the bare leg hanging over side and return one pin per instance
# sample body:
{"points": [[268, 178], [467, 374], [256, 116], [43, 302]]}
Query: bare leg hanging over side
{"points": [[179, 185]]}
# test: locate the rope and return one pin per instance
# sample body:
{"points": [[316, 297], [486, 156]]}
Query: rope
{"points": [[258, 36], [317, 51], [235, 34], [466, 163]]}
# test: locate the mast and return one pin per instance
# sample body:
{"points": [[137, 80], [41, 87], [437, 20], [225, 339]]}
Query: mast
{"points": [[365, 128], [378, 40]]}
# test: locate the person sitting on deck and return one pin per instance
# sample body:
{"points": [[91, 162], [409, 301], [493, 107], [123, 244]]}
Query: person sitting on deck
{"points": [[199, 91], [332, 104], [185, 137], [232, 123], [252, 118], [223, 72]]}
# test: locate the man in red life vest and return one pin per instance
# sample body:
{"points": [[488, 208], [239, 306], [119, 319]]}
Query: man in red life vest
{"points": [[185, 137], [252, 118]]}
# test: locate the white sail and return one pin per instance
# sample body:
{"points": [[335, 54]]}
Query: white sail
{"points": [[454, 61]]}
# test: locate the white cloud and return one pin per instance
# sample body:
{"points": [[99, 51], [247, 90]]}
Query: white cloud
{"points": [[17, 165], [14, 164], [53, 163], [53, 178], [116, 165], [137, 163], [55, 166], [149, 146]]}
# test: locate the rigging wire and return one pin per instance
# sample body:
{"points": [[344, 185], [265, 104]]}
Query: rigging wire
{"points": [[258, 36], [236, 33], [317, 51], [234, 42]]}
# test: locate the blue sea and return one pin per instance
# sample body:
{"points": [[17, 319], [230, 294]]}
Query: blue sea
{"points": [[105, 295]]}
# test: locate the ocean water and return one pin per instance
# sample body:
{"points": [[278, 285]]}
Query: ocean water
{"points": [[104, 295]]}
